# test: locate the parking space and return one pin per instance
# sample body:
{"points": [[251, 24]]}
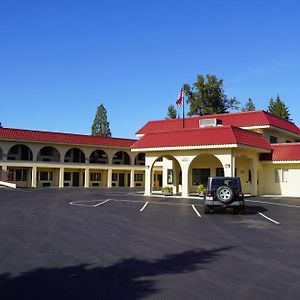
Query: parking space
{"points": [[117, 244]]}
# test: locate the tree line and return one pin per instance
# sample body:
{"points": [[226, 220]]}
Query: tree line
{"points": [[206, 96]]}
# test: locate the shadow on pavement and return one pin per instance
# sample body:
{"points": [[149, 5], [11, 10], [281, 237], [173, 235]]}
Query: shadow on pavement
{"points": [[123, 280]]}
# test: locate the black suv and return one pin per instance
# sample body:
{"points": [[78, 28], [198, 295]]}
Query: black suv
{"points": [[224, 192]]}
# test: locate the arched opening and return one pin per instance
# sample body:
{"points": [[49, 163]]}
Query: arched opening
{"points": [[140, 159], [166, 173], [75, 155], [19, 152], [121, 158], [1, 154], [98, 157], [202, 167], [48, 153]]}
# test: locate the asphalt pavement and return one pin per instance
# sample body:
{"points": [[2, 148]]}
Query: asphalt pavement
{"points": [[118, 244]]}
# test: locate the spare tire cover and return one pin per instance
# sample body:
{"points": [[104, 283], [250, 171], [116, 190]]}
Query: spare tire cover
{"points": [[224, 194]]}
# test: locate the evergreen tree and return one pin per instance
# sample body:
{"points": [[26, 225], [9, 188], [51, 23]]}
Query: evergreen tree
{"points": [[249, 106], [1, 125], [278, 108], [206, 96], [172, 113], [100, 125]]}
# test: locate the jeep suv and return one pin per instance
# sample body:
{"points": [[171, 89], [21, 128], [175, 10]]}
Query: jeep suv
{"points": [[224, 192]]}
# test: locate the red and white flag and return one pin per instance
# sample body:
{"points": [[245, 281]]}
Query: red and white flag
{"points": [[179, 98]]}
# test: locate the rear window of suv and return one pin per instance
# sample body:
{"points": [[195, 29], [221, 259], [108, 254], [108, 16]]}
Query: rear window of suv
{"points": [[231, 182]]}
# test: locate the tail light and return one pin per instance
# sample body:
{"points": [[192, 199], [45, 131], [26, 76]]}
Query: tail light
{"points": [[210, 194], [241, 194]]}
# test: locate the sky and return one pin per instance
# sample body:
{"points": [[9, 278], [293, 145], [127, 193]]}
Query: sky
{"points": [[60, 59]]}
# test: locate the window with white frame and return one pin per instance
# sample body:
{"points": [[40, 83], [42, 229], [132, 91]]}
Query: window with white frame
{"points": [[46, 175], [281, 175], [138, 177], [114, 177], [95, 176]]}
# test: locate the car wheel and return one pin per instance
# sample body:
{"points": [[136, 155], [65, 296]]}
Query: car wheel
{"points": [[224, 194]]}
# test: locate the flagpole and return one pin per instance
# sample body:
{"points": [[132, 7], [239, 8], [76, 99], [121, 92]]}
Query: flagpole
{"points": [[183, 110]]}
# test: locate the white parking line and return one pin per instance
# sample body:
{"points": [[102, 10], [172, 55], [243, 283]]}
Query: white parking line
{"points": [[269, 218], [144, 206], [274, 203], [98, 204], [196, 211]]}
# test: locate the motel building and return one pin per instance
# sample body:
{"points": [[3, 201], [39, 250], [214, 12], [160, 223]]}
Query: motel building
{"points": [[260, 148]]}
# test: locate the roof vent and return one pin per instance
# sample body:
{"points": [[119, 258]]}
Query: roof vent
{"points": [[210, 122]]}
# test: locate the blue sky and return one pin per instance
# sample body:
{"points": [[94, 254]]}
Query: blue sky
{"points": [[60, 59]]}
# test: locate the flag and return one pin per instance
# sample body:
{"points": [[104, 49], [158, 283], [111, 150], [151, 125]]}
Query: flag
{"points": [[179, 98]]}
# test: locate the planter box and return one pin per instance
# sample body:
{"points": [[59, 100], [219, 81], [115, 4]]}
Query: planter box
{"points": [[168, 193]]}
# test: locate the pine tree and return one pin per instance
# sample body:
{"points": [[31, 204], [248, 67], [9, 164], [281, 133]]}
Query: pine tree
{"points": [[206, 96], [172, 113], [100, 125], [278, 108], [1, 125], [249, 106]]}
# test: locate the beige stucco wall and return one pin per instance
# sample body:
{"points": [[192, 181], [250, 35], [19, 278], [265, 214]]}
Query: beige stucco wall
{"points": [[288, 185]]}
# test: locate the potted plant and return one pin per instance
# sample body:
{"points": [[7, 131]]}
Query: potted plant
{"points": [[168, 190], [201, 189]]}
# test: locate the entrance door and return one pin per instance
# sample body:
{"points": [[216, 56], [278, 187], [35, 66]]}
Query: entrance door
{"points": [[159, 179], [121, 179], [76, 176], [128, 179]]}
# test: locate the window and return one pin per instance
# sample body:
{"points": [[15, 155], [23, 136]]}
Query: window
{"points": [[67, 176], [281, 175], [273, 139], [44, 175], [220, 172], [114, 176], [95, 176], [277, 175], [169, 176], [21, 175], [47, 151], [200, 176], [250, 176], [285, 173], [138, 177]]}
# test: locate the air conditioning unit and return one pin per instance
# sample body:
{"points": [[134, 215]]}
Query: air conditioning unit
{"points": [[209, 122]]}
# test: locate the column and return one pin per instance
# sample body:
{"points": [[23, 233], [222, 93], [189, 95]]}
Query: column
{"points": [[132, 178], [232, 164], [109, 178], [148, 181], [87, 178], [34, 177], [61, 177], [185, 183], [253, 168]]}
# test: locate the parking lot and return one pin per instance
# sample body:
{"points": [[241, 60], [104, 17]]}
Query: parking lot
{"points": [[118, 244]]}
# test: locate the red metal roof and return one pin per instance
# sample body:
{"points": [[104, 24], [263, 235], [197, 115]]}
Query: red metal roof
{"points": [[62, 138], [239, 119], [220, 135], [283, 152]]}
